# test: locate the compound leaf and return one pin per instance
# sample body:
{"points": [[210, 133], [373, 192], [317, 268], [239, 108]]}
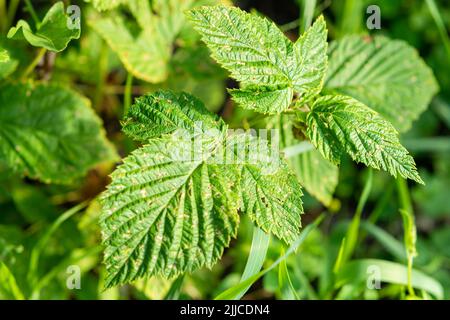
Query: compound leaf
{"points": [[53, 33], [172, 205], [386, 75], [50, 133], [269, 66], [341, 124]]}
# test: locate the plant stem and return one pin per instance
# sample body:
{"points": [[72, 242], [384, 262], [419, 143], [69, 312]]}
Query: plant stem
{"points": [[33, 13], [127, 93], [409, 227], [434, 11], [403, 194], [34, 63], [102, 68], [12, 9], [3, 16], [308, 7], [351, 17], [290, 25]]}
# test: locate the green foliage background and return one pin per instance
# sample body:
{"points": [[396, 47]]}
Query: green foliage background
{"points": [[63, 95]]}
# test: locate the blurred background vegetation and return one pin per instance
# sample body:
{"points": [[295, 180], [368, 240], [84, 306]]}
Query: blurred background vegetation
{"points": [[30, 239]]}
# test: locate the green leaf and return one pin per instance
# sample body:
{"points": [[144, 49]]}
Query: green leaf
{"points": [[270, 192], [165, 216], [164, 112], [145, 49], [357, 271], [264, 99], [387, 75], [269, 66], [8, 285], [340, 124], [103, 5], [311, 60], [7, 64], [273, 201], [172, 205], [53, 33], [317, 175], [50, 133], [4, 56], [145, 55]]}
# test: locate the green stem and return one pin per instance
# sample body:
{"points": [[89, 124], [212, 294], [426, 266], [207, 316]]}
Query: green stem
{"points": [[434, 11], [410, 268], [3, 16], [34, 63], [308, 7], [403, 194], [409, 229], [102, 69], [33, 13], [127, 93], [12, 9], [351, 17], [290, 25]]}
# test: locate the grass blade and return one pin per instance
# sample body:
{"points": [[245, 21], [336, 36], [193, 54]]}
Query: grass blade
{"points": [[308, 7], [285, 285], [8, 285], [351, 238], [234, 291], [434, 11], [390, 272], [392, 245], [42, 242], [175, 289], [258, 251]]}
